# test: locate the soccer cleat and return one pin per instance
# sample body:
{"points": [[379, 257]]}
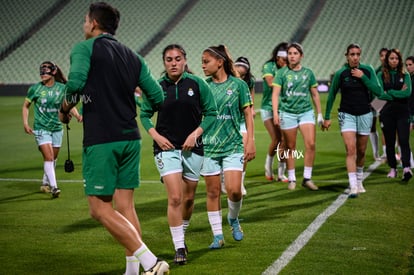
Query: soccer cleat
{"points": [[392, 174], [160, 268], [407, 174], [218, 242], [292, 185], [361, 188], [308, 183], [55, 192], [180, 256], [283, 178], [236, 229], [44, 188], [353, 193]]}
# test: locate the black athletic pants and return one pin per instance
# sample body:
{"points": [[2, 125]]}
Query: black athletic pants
{"points": [[395, 123]]}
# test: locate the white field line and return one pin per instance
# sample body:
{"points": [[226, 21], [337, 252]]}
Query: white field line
{"points": [[296, 245], [306, 235]]}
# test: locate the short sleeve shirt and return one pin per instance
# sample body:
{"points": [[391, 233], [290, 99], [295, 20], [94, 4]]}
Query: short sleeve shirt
{"points": [[47, 101], [269, 69], [224, 138], [295, 96]]}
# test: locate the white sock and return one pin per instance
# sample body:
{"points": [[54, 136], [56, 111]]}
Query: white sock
{"points": [[45, 180], [243, 188], [291, 175], [281, 169], [132, 266], [269, 161], [215, 220], [49, 170], [411, 160], [360, 173], [177, 234], [186, 224], [307, 172], [145, 257], [352, 179], [384, 150], [234, 208], [373, 136]]}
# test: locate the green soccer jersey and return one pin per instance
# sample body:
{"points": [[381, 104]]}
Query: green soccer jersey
{"points": [[224, 138], [269, 69], [47, 101], [295, 96], [251, 85]]}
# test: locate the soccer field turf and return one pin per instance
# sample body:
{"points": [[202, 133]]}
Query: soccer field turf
{"points": [[373, 234]]}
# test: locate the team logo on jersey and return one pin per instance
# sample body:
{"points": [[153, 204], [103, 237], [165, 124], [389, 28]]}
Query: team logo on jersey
{"points": [[229, 92], [190, 92], [160, 163]]}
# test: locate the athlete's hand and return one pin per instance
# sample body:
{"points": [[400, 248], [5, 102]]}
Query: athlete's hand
{"points": [[164, 143], [276, 120], [28, 129], [65, 118], [249, 151], [357, 73], [189, 143], [326, 125]]}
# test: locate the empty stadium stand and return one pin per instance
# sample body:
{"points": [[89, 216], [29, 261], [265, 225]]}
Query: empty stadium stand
{"points": [[248, 28]]}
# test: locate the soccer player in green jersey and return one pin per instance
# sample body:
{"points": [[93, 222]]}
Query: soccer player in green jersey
{"points": [[242, 66], [358, 83], [223, 144], [294, 87], [46, 96], [104, 75], [277, 61], [188, 110], [395, 115]]}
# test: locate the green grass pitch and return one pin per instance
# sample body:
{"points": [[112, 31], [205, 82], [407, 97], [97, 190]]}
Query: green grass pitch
{"points": [[373, 234]]}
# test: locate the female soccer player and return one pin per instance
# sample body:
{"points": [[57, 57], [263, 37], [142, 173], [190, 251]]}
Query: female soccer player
{"points": [[47, 96], [270, 68], [358, 83], [188, 110], [294, 86], [223, 142], [242, 66], [395, 115]]}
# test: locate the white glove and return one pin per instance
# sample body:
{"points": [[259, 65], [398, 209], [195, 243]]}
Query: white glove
{"points": [[320, 120]]}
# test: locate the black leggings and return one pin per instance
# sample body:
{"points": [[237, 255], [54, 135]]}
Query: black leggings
{"points": [[396, 123]]}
